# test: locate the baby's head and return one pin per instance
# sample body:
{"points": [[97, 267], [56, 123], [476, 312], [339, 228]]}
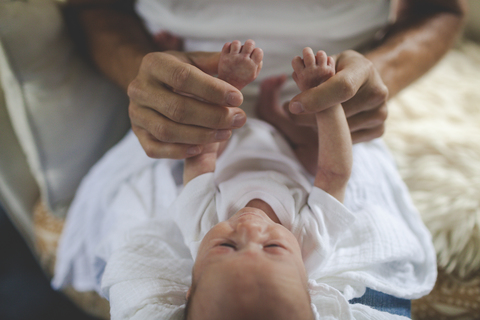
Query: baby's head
{"points": [[249, 267]]}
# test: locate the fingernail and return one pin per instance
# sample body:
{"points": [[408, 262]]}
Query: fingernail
{"points": [[193, 150], [222, 135], [297, 107], [234, 99], [238, 120]]}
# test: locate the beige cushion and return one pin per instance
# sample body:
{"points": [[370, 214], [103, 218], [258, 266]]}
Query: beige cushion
{"points": [[64, 113], [47, 230]]}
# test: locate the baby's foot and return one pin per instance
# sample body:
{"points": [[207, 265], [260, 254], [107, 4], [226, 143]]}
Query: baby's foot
{"points": [[239, 65], [312, 70]]}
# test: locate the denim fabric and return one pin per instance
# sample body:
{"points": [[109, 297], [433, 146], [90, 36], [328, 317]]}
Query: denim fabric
{"points": [[384, 302]]}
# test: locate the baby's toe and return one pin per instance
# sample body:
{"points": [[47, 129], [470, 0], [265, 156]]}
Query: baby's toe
{"points": [[308, 57], [257, 55], [248, 47], [321, 58], [331, 62], [235, 46], [298, 64], [226, 48]]}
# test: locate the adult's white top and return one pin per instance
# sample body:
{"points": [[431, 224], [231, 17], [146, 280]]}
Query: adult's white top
{"points": [[282, 28]]}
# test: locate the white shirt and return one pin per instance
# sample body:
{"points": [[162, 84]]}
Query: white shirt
{"points": [[282, 28]]}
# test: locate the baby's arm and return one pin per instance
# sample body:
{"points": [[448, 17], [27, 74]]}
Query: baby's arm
{"points": [[239, 65], [334, 162]]}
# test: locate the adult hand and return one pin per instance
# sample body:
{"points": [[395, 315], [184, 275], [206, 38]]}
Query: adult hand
{"points": [[357, 85], [176, 106]]}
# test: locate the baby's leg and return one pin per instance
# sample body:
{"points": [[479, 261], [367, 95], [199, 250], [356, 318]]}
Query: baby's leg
{"points": [[334, 162], [239, 65]]}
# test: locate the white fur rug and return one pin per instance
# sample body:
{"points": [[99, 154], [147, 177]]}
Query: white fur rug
{"points": [[433, 131]]}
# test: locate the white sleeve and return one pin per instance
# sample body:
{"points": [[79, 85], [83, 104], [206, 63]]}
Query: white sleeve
{"points": [[149, 276], [319, 226], [194, 210]]}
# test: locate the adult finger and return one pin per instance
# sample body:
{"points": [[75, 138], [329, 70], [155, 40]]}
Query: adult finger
{"points": [[166, 130], [368, 119], [374, 93], [157, 149], [368, 134], [183, 109], [183, 77]]}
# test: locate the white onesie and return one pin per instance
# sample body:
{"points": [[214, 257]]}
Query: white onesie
{"points": [[258, 164], [375, 244], [375, 240]]}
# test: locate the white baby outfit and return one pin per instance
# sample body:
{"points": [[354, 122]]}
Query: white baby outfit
{"points": [[375, 240], [258, 164]]}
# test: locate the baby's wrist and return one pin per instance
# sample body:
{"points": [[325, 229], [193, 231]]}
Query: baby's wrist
{"points": [[198, 165]]}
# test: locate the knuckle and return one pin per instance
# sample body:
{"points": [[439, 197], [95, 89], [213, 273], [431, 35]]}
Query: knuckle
{"points": [[382, 92], [150, 61], [367, 63], [162, 133], [134, 90], [379, 94], [179, 77], [177, 112], [347, 87], [150, 150]]}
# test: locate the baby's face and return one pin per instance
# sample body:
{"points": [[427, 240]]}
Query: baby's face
{"points": [[246, 260], [249, 234]]}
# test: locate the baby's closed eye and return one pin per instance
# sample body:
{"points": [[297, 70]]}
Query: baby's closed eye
{"points": [[226, 244]]}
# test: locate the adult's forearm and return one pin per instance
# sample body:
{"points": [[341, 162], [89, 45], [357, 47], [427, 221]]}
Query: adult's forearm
{"points": [[114, 38], [424, 31]]}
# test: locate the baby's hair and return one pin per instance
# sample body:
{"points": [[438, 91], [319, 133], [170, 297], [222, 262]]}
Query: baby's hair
{"points": [[188, 304]]}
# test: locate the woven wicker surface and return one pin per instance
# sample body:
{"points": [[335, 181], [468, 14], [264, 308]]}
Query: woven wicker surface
{"points": [[451, 299], [47, 234]]}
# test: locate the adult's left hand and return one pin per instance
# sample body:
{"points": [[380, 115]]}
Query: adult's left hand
{"points": [[357, 85]]}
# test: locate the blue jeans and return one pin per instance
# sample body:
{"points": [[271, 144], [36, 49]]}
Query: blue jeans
{"points": [[384, 302]]}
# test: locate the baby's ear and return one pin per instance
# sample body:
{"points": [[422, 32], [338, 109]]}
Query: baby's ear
{"points": [[188, 293]]}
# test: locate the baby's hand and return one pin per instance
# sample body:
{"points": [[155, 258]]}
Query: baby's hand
{"points": [[312, 70], [239, 65]]}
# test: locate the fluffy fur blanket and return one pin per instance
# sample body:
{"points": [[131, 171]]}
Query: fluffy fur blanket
{"points": [[433, 131]]}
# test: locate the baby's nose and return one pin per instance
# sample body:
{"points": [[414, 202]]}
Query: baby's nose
{"points": [[250, 230]]}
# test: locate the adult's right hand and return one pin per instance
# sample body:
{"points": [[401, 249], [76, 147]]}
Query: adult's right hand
{"points": [[177, 106]]}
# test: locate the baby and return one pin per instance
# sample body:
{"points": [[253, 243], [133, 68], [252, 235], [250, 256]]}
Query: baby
{"points": [[252, 220]]}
